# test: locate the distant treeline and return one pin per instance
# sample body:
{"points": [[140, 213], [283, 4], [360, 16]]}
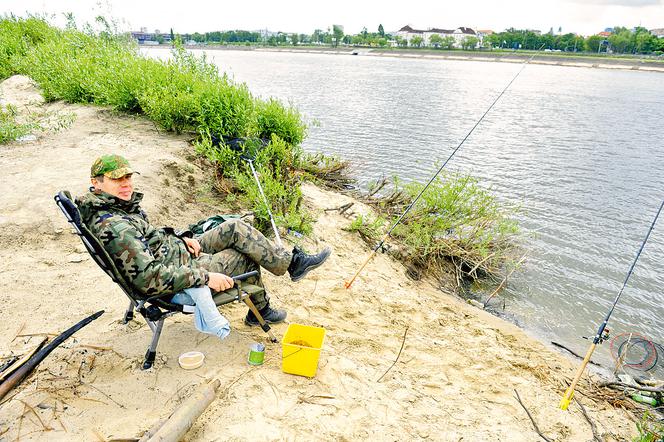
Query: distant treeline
{"points": [[622, 40]]}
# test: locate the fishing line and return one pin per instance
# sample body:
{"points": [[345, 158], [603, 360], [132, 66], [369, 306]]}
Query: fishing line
{"points": [[599, 338], [347, 284]]}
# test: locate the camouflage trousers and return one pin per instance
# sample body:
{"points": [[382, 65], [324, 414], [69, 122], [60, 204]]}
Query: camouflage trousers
{"points": [[236, 247]]}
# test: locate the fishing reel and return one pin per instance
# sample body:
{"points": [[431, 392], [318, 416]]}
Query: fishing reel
{"points": [[606, 335]]}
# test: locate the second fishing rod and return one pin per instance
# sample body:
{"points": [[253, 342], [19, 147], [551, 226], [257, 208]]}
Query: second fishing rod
{"points": [[350, 282]]}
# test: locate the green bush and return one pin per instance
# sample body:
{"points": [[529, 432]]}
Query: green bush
{"points": [[286, 122], [455, 220], [17, 36], [10, 129]]}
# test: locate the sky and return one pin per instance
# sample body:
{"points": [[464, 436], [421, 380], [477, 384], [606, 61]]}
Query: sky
{"points": [[584, 17]]}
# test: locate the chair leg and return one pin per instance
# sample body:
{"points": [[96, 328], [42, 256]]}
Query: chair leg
{"points": [[129, 314], [152, 350]]}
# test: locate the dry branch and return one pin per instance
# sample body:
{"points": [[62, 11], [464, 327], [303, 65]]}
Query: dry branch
{"points": [[593, 427], [403, 341], [518, 398]]}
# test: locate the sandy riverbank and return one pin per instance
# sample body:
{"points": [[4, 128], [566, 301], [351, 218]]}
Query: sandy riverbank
{"points": [[455, 378]]}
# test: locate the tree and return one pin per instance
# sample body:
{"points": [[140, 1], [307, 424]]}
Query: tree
{"points": [[494, 40], [318, 36], [448, 42], [593, 42], [294, 38], [416, 41], [435, 40], [469, 43], [620, 42], [381, 30], [338, 33]]}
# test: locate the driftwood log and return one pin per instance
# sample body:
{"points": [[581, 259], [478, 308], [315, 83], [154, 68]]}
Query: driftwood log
{"points": [[177, 424], [15, 378]]}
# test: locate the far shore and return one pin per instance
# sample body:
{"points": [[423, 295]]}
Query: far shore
{"points": [[552, 59]]}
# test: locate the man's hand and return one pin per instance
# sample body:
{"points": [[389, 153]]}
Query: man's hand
{"points": [[220, 282], [193, 246]]}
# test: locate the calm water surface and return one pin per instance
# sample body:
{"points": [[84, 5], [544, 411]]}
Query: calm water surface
{"points": [[579, 150]]}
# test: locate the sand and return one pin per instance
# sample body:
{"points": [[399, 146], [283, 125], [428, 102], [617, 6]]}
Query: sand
{"points": [[454, 380]]}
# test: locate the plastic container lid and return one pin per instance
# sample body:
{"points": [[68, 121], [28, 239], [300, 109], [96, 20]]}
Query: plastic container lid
{"points": [[191, 360]]}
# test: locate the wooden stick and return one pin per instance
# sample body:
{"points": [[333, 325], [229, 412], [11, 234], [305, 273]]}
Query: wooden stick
{"points": [[178, 423], [20, 329], [113, 400], [32, 409], [480, 263], [403, 341], [504, 281], [518, 398], [635, 387], [593, 427]]}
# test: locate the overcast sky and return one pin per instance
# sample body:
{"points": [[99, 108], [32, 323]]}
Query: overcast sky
{"points": [[581, 16]]}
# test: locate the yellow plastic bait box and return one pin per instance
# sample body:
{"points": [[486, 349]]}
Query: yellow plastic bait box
{"points": [[300, 349]]}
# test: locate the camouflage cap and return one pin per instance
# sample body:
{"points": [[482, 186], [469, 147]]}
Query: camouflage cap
{"points": [[111, 166]]}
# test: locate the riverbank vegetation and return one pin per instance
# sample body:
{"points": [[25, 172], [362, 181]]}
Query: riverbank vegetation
{"points": [[456, 220], [10, 128]]}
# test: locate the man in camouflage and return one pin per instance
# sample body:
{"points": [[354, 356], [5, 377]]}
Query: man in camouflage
{"points": [[157, 260]]}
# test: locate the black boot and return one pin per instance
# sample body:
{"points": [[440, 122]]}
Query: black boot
{"points": [[270, 315], [301, 264]]}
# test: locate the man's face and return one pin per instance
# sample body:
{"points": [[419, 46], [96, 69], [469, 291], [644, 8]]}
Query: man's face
{"points": [[119, 187]]}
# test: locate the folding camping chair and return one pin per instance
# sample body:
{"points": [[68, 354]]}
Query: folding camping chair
{"points": [[156, 308]]}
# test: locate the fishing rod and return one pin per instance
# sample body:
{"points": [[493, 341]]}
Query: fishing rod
{"points": [[348, 284], [237, 145], [250, 161], [599, 338]]}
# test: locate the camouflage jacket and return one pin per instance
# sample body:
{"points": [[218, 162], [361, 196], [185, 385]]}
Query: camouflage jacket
{"points": [[153, 260]]}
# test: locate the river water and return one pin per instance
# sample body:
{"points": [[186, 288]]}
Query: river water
{"points": [[579, 150]]}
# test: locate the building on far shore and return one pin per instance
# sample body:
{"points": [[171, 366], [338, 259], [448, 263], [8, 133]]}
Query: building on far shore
{"points": [[459, 34], [659, 32], [482, 33]]}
